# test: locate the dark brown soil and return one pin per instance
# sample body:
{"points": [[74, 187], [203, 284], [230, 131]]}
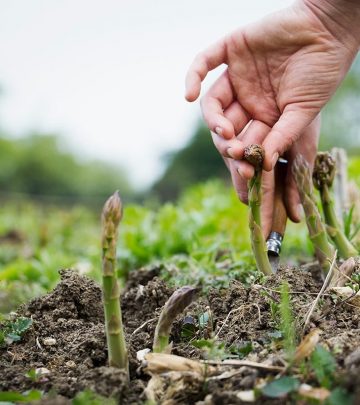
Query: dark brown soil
{"points": [[72, 316]]}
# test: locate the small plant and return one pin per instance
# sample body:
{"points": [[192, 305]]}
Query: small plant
{"points": [[324, 366], [111, 216], [254, 154], [287, 323], [323, 177], [11, 331], [176, 304], [323, 249]]}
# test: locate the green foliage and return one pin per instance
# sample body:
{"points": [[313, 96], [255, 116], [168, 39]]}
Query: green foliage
{"points": [[11, 331], [88, 397], [287, 323], [280, 387], [215, 350], [340, 118], [202, 239], [39, 166], [15, 397], [324, 366], [340, 396], [351, 229]]}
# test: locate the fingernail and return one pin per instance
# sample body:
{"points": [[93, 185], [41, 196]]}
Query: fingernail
{"points": [[219, 131], [240, 173], [230, 152], [274, 159]]}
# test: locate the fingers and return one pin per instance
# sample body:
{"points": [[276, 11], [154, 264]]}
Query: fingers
{"points": [[284, 133], [237, 115], [203, 63], [219, 98], [227, 148], [239, 182]]}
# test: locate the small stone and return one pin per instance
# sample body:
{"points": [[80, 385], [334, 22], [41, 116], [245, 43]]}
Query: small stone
{"points": [[49, 341], [70, 364], [41, 371]]}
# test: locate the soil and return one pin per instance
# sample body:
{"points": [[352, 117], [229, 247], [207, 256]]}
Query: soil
{"points": [[72, 317]]}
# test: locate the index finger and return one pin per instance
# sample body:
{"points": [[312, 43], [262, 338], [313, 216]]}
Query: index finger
{"points": [[203, 63]]}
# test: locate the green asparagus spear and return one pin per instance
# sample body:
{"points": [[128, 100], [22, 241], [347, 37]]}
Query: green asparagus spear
{"points": [[111, 216], [323, 177], [179, 300], [254, 154], [323, 249]]}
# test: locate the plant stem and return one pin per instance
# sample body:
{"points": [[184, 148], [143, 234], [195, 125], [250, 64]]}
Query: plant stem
{"points": [[323, 249], [323, 176], [176, 304], [254, 155], [111, 216]]}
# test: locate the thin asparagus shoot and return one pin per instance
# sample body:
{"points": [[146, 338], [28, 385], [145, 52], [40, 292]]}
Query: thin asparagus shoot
{"points": [[324, 251], [176, 304], [254, 154], [111, 216], [323, 177]]}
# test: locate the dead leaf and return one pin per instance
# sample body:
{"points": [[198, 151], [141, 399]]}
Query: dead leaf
{"points": [[319, 394], [343, 273], [307, 345], [345, 293], [158, 363]]}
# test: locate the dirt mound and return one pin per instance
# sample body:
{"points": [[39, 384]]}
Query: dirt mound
{"points": [[67, 336]]}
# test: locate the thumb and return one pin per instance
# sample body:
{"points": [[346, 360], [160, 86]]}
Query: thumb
{"points": [[284, 133]]}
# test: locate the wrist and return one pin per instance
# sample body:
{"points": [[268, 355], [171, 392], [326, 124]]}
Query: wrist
{"points": [[340, 17]]}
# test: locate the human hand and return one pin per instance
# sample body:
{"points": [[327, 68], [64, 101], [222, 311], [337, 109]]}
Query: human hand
{"points": [[306, 145], [281, 71]]}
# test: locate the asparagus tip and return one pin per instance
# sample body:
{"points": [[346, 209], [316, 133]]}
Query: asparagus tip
{"points": [[324, 170], [112, 210], [254, 154]]}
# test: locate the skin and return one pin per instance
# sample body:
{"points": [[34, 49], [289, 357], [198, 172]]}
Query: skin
{"points": [[280, 73]]}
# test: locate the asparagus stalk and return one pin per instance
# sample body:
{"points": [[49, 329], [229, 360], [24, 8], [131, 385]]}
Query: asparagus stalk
{"points": [[111, 216], [323, 249], [323, 177], [254, 154], [178, 301]]}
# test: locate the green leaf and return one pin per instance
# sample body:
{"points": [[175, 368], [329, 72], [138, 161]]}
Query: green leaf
{"points": [[241, 350], [13, 396], [204, 319], [90, 398], [324, 365], [203, 343], [281, 387], [22, 324], [340, 396]]}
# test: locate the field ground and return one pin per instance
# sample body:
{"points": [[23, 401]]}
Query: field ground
{"points": [[201, 240]]}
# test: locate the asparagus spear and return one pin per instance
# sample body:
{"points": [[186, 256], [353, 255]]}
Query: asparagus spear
{"points": [[323, 249], [254, 154], [178, 301], [111, 216], [323, 177]]}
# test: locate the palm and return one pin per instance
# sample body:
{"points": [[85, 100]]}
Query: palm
{"points": [[268, 79], [281, 71]]}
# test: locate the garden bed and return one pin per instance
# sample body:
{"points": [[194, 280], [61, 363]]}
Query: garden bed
{"points": [[67, 340]]}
